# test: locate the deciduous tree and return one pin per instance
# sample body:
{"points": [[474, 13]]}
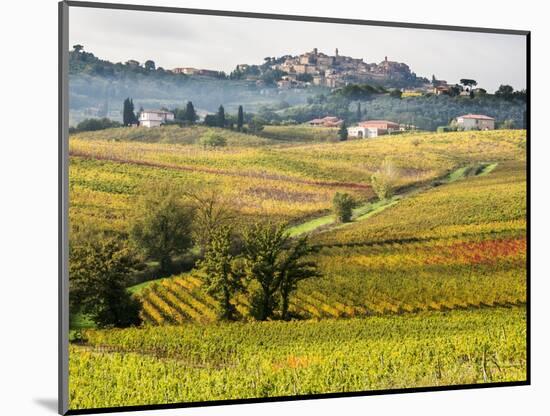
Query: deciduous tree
{"points": [[162, 225], [98, 274]]}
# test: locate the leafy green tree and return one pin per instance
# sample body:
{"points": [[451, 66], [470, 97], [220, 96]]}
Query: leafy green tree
{"points": [[162, 225], [240, 118], [342, 206], [211, 212], [78, 48], [275, 263], [149, 65], [94, 124], [223, 276], [263, 248], [256, 124], [505, 91], [343, 131], [221, 117], [359, 114], [211, 120], [468, 83], [98, 275], [212, 140], [190, 115], [294, 269]]}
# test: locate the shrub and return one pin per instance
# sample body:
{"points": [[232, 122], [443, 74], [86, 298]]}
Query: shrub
{"points": [[94, 124], [213, 140], [343, 204], [384, 179]]}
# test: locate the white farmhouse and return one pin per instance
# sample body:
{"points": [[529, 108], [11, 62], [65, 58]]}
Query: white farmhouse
{"points": [[372, 128], [476, 122], [154, 118], [362, 132]]}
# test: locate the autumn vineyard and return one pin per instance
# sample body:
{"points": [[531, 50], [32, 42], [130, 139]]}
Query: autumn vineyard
{"points": [[423, 287]]}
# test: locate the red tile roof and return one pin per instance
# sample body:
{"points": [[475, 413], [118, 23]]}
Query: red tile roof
{"points": [[477, 116], [381, 124]]}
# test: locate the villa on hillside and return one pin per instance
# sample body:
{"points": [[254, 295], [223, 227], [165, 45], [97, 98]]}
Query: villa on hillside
{"points": [[328, 121], [196, 71], [154, 118], [476, 122], [373, 128]]}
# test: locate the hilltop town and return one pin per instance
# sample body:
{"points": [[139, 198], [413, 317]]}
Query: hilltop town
{"points": [[320, 69]]}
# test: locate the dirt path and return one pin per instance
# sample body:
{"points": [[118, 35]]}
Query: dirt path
{"points": [[371, 208]]}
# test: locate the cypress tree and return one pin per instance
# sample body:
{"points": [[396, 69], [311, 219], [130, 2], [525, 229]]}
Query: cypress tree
{"points": [[126, 112], [221, 117], [359, 112], [128, 116], [190, 113], [240, 118], [343, 131]]}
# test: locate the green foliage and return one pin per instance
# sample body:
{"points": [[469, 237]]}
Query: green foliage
{"points": [[161, 226], [222, 273], [221, 117], [190, 115], [149, 65], [94, 124], [396, 93], [356, 92], [211, 212], [271, 76], [294, 269], [343, 132], [263, 247], [98, 274], [274, 263], [256, 124], [342, 206], [384, 179], [213, 140], [128, 115], [240, 118]]}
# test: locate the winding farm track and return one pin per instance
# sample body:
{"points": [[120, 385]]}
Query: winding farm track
{"points": [[158, 165]]}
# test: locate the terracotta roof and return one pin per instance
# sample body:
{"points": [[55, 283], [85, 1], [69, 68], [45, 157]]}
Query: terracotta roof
{"points": [[383, 124], [157, 111], [477, 116]]}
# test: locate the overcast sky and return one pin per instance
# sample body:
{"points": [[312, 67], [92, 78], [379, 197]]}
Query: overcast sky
{"points": [[214, 42]]}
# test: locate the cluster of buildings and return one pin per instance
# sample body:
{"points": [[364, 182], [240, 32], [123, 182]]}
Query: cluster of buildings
{"points": [[364, 129], [338, 70], [375, 128], [328, 121], [196, 71]]}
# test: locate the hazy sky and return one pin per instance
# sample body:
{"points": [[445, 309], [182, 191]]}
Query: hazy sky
{"points": [[214, 42]]}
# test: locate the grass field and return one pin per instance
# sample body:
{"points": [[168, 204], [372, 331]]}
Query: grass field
{"points": [[426, 288]]}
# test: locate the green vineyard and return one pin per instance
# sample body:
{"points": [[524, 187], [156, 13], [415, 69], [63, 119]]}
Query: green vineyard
{"points": [[187, 363]]}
